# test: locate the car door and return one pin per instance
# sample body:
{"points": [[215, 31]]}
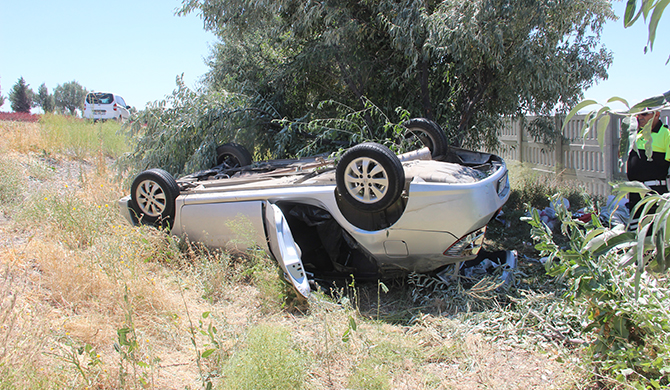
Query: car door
{"points": [[284, 249], [123, 107]]}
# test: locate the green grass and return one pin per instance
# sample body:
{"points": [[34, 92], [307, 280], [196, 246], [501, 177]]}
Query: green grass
{"points": [[384, 358], [82, 138], [12, 183], [74, 219], [269, 360]]}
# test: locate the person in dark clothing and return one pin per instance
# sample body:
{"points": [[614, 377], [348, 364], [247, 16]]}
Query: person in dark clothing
{"points": [[652, 172]]}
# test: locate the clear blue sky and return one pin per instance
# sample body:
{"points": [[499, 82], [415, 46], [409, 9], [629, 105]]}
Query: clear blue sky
{"points": [[133, 48], [634, 75], [137, 48]]}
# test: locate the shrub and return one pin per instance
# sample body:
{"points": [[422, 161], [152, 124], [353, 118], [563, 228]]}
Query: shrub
{"points": [[625, 310]]}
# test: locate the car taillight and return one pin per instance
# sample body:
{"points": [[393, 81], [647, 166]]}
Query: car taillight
{"points": [[467, 245], [502, 185], [114, 106]]}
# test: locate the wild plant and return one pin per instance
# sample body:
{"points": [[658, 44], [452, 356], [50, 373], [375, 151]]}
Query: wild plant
{"points": [[12, 184], [128, 347], [269, 360], [626, 309], [85, 358], [81, 139]]}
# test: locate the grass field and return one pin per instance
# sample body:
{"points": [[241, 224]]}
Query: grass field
{"points": [[89, 302]]}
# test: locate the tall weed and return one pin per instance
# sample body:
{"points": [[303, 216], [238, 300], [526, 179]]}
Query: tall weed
{"points": [[81, 138], [269, 360], [76, 221], [12, 183]]}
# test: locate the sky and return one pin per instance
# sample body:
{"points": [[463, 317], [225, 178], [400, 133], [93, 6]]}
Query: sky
{"points": [[634, 75], [137, 48]]}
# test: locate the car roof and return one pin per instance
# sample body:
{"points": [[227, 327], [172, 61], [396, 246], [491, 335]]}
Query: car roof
{"points": [[111, 93]]}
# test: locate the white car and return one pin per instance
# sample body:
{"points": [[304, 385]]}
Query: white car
{"points": [[368, 214], [105, 105]]}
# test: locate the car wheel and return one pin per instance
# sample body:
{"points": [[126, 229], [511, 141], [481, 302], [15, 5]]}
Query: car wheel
{"points": [[152, 196], [232, 155], [425, 132], [370, 177]]}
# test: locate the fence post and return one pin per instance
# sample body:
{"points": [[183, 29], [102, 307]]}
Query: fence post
{"points": [[558, 151], [610, 148], [516, 125]]}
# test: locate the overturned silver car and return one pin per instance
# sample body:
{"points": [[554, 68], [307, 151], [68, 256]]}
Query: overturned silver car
{"points": [[370, 213]]}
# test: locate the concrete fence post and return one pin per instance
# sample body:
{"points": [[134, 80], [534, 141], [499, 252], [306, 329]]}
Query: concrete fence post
{"points": [[558, 151]]}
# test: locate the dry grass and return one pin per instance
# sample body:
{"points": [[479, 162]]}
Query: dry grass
{"points": [[88, 301]]}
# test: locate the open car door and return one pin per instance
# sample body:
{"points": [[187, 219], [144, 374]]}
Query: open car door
{"points": [[284, 249]]}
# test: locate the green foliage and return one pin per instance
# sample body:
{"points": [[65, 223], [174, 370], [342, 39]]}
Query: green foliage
{"points": [[75, 222], [625, 309], [598, 117], [180, 133], [462, 64], [130, 356], [651, 10], [85, 358], [383, 358], [268, 361], [319, 133], [213, 350], [21, 96], [70, 96], [44, 99], [2, 98]]}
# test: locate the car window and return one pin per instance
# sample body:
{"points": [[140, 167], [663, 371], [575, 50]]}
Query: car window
{"points": [[120, 101], [99, 98]]}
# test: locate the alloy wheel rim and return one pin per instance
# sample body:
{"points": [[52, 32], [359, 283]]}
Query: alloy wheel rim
{"points": [[151, 198], [366, 180]]}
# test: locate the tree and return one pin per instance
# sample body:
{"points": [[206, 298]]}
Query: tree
{"points": [[180, 133], [70, 96], [44, 99], [21, 96], [464, 64], [2, 98]]}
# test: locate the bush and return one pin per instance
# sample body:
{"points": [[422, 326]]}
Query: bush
{"points": [[625, 309]]}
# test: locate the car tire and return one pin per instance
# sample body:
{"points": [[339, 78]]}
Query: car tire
{"points": [[152, 198], [370, 177], [233, 155], [430, 134]]}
